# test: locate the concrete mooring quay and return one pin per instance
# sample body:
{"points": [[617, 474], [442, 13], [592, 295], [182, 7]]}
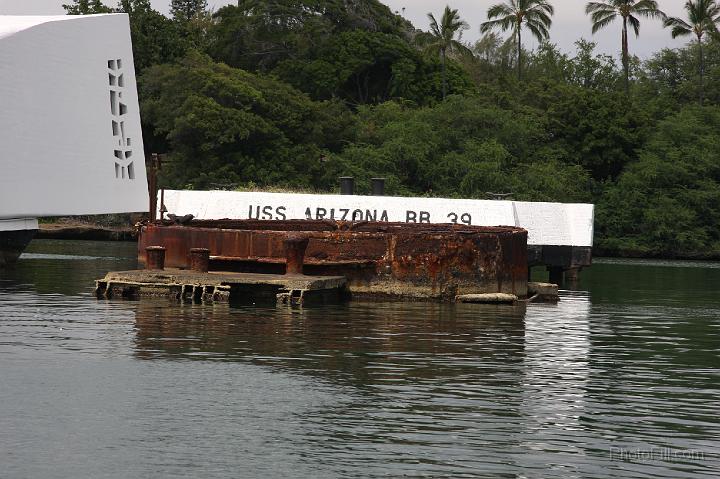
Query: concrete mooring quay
{"points": [[226, 259], [220, 286]]}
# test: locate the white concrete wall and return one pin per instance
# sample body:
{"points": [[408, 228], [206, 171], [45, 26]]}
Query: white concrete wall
{"points": [[58, 142], [18, 224], [556, 223], [547, 223]]}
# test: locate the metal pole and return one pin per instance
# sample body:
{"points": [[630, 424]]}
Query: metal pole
{"points": [[152, 169]]}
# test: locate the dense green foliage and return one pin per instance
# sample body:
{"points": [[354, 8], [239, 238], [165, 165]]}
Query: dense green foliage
{"points": [[86, 7], [226, 126], [295, 93], [668, 201], [186, 10]]}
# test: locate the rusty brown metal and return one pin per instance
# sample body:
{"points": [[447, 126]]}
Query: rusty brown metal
{"points": [[200, 260], [295, 246], [155, 257], [395, 259]]}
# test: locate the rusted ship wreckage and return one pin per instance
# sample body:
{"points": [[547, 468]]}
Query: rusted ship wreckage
{"points": [[305, 260]]}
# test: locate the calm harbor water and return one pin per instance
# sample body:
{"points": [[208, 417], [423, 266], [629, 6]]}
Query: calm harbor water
{"points": [[620, 379]]}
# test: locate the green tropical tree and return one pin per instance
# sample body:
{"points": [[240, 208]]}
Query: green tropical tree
{"points": [[445, 38], [604, 13], [86, 7], [514, 14], [703, 16], [186, 10]]}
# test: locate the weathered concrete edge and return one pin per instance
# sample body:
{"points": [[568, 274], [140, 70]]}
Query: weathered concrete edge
{"points": [[85, 233]]}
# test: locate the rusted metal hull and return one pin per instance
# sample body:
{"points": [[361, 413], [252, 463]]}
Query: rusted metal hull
{"points": [[423, 261]]}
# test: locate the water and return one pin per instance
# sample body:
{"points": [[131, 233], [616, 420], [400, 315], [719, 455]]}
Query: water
{"points": [[620, 379]]}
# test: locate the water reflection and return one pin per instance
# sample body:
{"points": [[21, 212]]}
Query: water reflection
{"points": [[66, 267], [430, 383], [161, 389], [350, 342], [556, 370]]}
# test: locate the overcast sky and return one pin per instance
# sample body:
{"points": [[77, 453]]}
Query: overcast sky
{"points": [[569, 23]]}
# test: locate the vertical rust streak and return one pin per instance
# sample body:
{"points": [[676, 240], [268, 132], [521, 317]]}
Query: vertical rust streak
{"points": [[295, 246]]}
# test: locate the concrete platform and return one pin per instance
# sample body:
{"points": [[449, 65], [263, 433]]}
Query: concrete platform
{"points": [[222, 286]]}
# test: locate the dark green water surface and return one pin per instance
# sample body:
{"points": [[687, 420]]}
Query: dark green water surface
{"points": [[620, 379]]}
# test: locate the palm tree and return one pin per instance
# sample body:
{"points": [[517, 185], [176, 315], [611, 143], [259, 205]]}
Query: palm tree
{"points": [[604, 13], [703, 16], [534, 14], [443, 38]]}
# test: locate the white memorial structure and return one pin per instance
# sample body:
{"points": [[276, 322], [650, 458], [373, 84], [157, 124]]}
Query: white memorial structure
{"points": [[69, 122], [560, 235], [560, 224]]}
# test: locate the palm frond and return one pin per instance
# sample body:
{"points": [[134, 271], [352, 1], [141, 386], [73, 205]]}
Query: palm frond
{"points": [[499, 10], [597, 7], [434, 28], [602, 22], [714, 10], [597, 16], [646, 5], [651, 13], [540, 16], [678, 27], [539, 31], [504, 24], [635, 24], [547, 7], [679, 32]]}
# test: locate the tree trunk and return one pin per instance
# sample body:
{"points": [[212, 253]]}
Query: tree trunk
{"points": [[444, 78], [702, 71], [519, 52], [626, 55]]}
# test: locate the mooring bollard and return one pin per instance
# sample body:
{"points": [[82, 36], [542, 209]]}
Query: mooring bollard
{"points": [[155, 257], [378, 186], [347, 185], [295, 246], [200, 260]]}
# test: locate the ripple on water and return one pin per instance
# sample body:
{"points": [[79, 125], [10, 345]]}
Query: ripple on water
{"points": [[599, 385]]}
